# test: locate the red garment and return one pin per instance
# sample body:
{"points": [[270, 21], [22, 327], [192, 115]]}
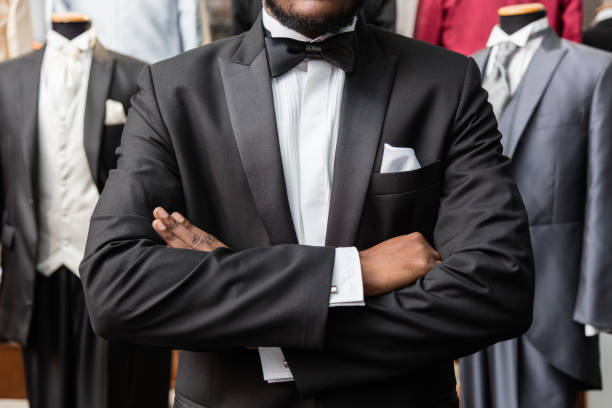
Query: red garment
{"points": [[464, 25]]}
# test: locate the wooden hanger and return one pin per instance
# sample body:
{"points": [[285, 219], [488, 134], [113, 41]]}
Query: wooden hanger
{"points": [[520, 9], [70, 17]]}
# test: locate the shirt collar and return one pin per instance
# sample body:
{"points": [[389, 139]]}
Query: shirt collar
{"points": [[276, 29], [521, 37], [604, 14], [83, 42]]}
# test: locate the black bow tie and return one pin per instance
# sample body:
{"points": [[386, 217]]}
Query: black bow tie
{"points": [[285, 53]]}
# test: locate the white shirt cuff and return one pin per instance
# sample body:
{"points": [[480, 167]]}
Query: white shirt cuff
{"points": [[591, 331], [347, 283], [346, 290]]}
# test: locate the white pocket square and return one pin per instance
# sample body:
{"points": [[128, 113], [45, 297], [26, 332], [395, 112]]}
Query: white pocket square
{"points": [[115, 115], [399, 159]]}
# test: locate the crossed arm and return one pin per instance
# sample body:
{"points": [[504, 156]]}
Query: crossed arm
{"points": [[142, 292]]}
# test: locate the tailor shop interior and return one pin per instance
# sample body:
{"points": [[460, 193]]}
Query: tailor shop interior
{"points": [[70, 69]]}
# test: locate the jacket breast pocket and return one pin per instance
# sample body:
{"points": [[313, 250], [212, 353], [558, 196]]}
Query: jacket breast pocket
{"points": [[405, 181], [400, 204]]}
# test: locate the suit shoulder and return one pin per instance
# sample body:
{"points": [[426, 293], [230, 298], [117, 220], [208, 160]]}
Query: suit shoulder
{"points": [[200, 58], [436, 66], [126, 62], [409, 47], [587, 55], [17, 64]]}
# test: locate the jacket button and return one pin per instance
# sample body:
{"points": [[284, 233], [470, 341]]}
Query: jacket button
{"points": [[31, 201]]}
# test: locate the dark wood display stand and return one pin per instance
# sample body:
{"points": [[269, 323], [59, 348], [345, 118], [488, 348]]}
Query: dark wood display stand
{"points": [[12, 380]]}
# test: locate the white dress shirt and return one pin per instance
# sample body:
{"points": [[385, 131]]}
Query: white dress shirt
{"points": [[67, 191], [307, 102], [527, 48]]}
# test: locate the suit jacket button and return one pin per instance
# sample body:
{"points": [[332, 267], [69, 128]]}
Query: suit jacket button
{"points": [[31, 201]]}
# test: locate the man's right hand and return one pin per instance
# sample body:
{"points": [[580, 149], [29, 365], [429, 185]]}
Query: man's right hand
{"points": [[396, 263]]}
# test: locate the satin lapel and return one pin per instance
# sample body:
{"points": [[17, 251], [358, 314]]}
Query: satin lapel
{"points": [[248, 92], [364, 106], [95, 108], [30, 88], [536, 80]]}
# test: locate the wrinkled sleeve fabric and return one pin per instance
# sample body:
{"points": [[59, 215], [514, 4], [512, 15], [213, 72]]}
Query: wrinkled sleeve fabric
{"points": [[481, 294], [594, 302], [140, 291]]}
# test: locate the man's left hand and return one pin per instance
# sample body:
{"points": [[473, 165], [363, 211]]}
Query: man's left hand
{"points": [[178, 232]]}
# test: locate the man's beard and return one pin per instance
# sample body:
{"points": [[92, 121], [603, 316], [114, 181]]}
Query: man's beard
{"points": [[313, 26]]}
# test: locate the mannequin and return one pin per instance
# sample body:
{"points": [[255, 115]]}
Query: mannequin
{"points": [[555, 359], [599, 35], [513, 18], [444, 22], [70, 25], [73, 97]]}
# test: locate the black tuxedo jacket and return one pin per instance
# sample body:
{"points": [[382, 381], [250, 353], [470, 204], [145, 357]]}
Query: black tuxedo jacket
{"points": [[381, 13], [599, 36], [201, 138], [112, 77]]}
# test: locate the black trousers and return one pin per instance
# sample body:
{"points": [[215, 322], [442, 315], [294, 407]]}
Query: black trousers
{"points": [[68, 366]]}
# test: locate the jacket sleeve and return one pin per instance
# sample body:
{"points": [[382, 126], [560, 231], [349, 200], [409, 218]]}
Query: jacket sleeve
{"points": [[594, 300], [481, 294], [571, 20], [140, 291]]}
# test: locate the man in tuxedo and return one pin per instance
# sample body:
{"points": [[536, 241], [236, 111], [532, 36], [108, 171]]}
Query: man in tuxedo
{"points": [[300, 176], [62, 111]]}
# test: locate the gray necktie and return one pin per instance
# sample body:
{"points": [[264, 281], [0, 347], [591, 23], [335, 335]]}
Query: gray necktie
{"points": [[498, 83]]}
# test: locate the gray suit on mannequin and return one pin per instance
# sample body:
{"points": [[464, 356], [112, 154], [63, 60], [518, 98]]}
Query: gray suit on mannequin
{"points": [[557, 128]]}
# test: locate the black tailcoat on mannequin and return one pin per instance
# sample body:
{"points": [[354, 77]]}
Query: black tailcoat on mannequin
{"points": [[205, 143], [381, 13], [600, 35], [557, 130], [32, 311]]}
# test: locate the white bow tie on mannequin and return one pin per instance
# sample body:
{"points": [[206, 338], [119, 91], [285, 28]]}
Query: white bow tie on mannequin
{"points": [[67, 71]]}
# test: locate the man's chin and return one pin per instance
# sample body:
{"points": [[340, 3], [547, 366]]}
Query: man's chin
{"points": [[319, 17]]}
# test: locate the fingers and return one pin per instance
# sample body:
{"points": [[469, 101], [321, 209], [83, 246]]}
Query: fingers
{"points": [[167, 235], [180, 233], [178, 225]]}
